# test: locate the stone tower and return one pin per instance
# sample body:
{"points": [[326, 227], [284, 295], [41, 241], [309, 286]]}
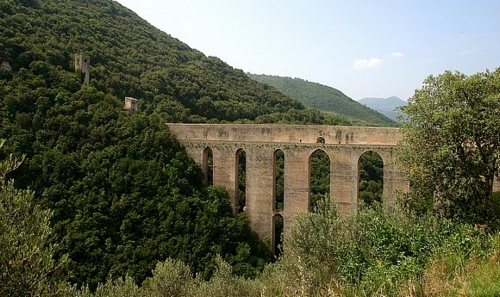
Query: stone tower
{"points": [[82, 65], [131, 105]]}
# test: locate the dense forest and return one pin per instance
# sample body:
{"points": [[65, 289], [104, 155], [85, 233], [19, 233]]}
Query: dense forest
{"points": [[328, 99], [129, 57], [123, 192], [109, 201]]}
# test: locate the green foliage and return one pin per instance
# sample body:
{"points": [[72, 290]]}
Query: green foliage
{"points": [[371, 177], [378, 251], [279, 183], [333, 101], [129, 57], [242, 183], [173, 279], [384, 252], [493, 213], [311, 252], [320, 177], [124, 193], [451, 145], [474, 272], [484, 275], [26, 258]]}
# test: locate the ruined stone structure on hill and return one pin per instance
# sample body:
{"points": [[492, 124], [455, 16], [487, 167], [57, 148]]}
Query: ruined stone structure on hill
{"points": [[82, 64], [131, 105], [344, 146]]}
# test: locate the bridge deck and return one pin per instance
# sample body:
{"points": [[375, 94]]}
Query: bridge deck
{"points": [[286, 133]]}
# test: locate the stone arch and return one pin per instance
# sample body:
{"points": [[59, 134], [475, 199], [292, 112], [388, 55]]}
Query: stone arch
{"points": [[208, 166], [298, 143], [278, 228], [370, 174], [278, 180], [319, 176], [241, 168]]}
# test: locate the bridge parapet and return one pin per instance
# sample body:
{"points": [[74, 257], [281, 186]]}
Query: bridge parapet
{"points": [[286, 133]]}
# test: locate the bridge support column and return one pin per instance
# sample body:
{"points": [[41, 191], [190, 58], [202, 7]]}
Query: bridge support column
{"points": [[394, 182], [296, 185], [260, 190], [496, 184], [394, 179], [344, 180], [225, 173]]}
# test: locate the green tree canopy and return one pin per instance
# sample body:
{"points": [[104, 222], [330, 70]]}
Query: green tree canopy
{"points": [[329, 100], [451, 144], [26, 253]]}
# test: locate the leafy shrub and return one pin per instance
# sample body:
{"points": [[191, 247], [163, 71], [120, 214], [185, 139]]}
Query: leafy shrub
{"points": [[378, 250]]}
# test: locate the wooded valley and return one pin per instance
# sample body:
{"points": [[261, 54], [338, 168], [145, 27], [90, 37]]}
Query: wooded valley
{"points": [[120, 206]]}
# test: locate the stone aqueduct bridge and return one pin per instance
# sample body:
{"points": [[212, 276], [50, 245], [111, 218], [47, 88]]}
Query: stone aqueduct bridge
{"points": [[344, 145]]}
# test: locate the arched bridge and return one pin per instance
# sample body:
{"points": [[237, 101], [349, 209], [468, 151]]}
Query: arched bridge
{"points": [[344, 146]]}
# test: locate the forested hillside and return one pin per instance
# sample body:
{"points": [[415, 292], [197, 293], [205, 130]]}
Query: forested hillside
{"points": [[103, 193], [124, 193], [129, 57], [315, 95]]}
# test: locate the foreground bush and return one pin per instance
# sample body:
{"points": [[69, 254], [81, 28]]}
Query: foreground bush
{"points": [[475, 273], [25, 249], [377, 252]]}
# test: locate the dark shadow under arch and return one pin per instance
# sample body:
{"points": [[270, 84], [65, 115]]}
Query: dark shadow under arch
{"points": [[208, 166], [241, 184], [277, 245], [279, 181]]}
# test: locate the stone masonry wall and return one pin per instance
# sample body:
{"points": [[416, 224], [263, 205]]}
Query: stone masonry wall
{"points": [[287, 133], [298, 143]]}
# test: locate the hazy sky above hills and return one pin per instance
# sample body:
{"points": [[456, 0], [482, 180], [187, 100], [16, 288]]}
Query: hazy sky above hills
{"points": [[363, 48]]}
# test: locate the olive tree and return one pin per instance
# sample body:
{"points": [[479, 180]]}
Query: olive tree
{"points": [[451, 144], [25, 250]]}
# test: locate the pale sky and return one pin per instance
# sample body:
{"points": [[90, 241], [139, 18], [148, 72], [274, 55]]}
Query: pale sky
{"points": [[369, 48]]}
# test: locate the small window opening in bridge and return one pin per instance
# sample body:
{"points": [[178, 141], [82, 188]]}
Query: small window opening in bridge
{"points": [[279, 181], [277, 235], [371, 178], [241, 164], [320, 140], [319, 178], [208, 166]]}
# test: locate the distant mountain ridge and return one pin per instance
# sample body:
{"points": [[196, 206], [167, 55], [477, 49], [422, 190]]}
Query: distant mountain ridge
{"points": [[325, 98], [385, 106]]}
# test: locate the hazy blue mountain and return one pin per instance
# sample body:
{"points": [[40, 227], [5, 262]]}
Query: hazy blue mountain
{"points": [[385, 106]]}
